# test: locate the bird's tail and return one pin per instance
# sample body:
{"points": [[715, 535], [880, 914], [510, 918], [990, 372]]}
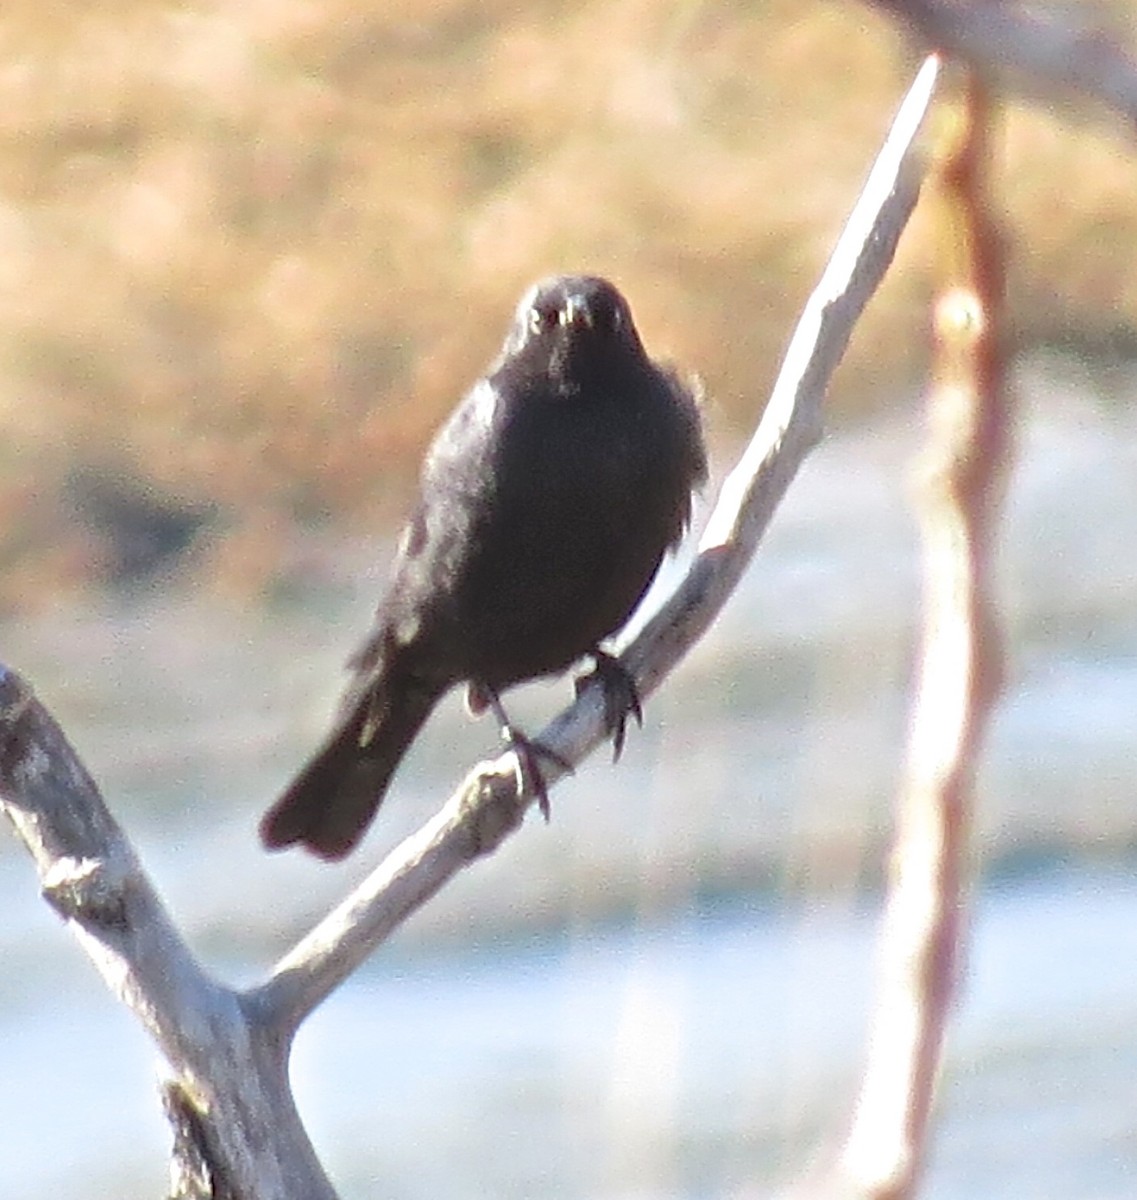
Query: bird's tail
{"points": [[330, 803]]}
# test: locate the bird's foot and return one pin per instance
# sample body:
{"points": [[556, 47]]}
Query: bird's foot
{"points": [[530, 777], [621, 696]]}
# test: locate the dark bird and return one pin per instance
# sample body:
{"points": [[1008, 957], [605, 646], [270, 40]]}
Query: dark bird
{"points": [[546, 504]]}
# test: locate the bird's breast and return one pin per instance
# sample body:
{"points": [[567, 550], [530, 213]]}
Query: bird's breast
{"points": [[582, 508]]}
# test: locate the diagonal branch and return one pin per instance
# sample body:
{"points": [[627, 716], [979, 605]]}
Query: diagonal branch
{"points": [[239, 1134], [487, 807]]}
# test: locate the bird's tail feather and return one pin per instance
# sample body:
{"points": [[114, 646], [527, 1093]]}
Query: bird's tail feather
{"points": [[330, 803]]}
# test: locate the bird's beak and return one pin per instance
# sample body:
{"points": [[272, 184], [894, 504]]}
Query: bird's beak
{"points": [[576, 311]]}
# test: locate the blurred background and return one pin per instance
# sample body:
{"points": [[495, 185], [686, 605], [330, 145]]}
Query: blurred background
{"points": [[250, 255]]}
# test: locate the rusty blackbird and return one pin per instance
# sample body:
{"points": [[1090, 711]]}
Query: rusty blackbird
{"points": [[546, 504]]}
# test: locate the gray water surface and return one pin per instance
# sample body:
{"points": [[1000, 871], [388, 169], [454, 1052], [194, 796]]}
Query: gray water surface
{"points": [[686, 1060], [662, 993]]}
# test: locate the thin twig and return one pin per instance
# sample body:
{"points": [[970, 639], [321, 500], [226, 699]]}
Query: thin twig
{"points": [[960, 673]]}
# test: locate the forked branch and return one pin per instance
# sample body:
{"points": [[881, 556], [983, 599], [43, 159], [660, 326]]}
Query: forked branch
{"points": [[228, 1050]]}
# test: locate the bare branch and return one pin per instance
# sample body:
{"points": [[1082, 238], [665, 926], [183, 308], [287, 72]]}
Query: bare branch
{"points": [[483, 810], [1013, 36], [231, 1073], [237, 1127], [487, 807]]}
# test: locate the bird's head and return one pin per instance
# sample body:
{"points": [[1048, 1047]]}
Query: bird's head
{"points": [[572, 328]]}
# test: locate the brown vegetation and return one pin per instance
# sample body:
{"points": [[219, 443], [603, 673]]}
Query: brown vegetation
{"points": [[250, 253]]}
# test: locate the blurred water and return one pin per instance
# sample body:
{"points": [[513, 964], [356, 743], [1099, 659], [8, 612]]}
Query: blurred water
{"points": [[663, 992], [686, 1060]]}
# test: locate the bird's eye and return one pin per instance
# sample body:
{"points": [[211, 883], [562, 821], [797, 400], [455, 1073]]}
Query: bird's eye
{"points": [[607, 315], [611, 317], [543, 316]]}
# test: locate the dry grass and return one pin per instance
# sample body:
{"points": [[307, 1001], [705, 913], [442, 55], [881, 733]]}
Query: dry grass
{"points": [[251, 252]]}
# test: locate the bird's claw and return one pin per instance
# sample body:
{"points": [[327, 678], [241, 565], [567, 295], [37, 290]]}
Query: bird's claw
{"points": [[621, 697], [530, 777]]}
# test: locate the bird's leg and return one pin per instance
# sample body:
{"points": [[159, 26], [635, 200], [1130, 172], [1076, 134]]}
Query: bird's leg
{"points": [[528, 750], [621, 696]]}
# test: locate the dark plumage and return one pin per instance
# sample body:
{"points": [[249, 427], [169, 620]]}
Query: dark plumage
{"points": [[546, 503]]}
